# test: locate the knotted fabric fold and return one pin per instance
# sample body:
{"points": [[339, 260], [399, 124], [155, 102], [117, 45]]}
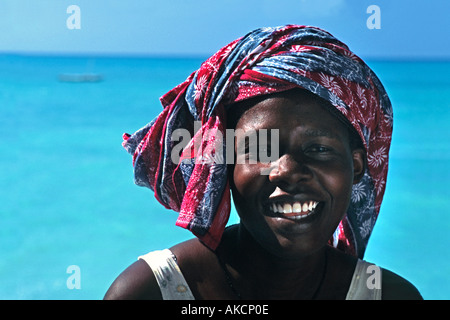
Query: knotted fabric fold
{"points": [[264, 61]]}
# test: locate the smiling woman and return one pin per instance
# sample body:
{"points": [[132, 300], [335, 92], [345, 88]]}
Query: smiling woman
{"points": [[308, 189], [302, 232]]}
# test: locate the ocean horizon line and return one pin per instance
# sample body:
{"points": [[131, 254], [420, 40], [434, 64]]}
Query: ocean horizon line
{"points": [[190, 56]]}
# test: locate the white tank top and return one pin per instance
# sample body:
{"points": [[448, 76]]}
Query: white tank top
{"points": [[173, 285]]}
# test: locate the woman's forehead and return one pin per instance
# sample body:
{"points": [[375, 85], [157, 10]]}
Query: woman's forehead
{"points": [[290, 109]]}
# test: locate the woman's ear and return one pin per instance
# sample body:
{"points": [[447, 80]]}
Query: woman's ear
{"points": [[359, 164]]}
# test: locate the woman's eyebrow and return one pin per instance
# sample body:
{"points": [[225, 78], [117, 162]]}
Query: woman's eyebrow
{"points": [[321, 133]]}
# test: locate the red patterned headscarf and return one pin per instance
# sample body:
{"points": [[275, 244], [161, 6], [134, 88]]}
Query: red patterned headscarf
{"points": [[265, 61]]}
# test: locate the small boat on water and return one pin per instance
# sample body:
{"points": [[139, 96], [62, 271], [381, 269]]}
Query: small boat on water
{"points": [[80, 77]]}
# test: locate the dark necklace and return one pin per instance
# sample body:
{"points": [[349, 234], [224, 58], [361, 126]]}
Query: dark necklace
{"points": [[238, 295]]}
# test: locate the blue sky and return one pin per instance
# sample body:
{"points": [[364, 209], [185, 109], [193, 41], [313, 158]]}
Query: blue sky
{"points": [[409, 29]]}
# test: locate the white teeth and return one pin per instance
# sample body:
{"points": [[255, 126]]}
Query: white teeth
{"points": [[286, 208], [274, 208], [305, 207], [280, 208]]}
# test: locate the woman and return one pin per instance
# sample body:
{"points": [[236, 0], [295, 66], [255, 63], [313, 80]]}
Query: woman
{"points": [[307, 214]]}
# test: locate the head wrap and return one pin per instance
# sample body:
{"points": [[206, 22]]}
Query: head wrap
{"points": [[264, 61]]}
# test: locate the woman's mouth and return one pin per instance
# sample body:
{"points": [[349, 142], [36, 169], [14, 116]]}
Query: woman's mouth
{"points": [[295, 210]]}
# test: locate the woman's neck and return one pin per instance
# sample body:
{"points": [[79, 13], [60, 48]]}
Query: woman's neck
{"points": [[259, 274]]}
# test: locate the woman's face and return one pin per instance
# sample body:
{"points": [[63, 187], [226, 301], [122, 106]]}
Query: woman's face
{"points": [[293, 205]]}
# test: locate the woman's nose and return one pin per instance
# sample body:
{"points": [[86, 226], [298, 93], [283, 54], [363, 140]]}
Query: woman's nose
{"points": [[289, 172]]}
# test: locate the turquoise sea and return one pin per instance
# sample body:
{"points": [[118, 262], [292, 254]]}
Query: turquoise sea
{"points": [[67, 195]]}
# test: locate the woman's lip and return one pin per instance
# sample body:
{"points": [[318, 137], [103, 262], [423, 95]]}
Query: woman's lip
{"points": [[278, 196]]}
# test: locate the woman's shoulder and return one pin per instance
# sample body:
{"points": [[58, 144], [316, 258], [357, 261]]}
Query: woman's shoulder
{"points": [[395, 287], [139, 282]]}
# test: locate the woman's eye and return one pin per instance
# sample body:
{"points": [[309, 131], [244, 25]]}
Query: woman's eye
{"points": [[320, 149], [317, 149]]}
